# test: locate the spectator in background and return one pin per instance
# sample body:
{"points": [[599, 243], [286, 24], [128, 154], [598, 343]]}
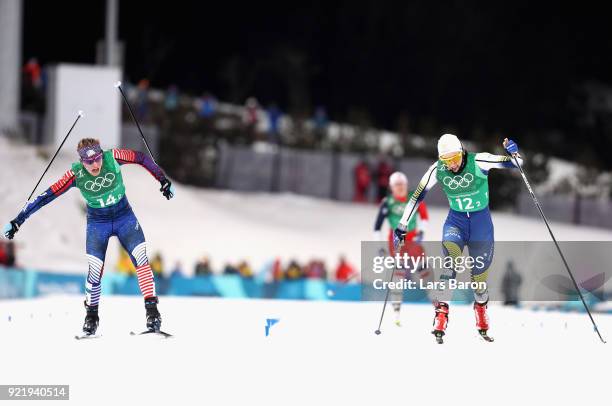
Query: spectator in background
{"points": [[44, 80], [250, 118], [245, 270], [316, 270], [274, 117], [157, 265], [3, 255], [11, 254], [207, 106], [294, 271], [511, 283], [33, 98], [7, 254], [177, 271], [230, 270], [320, 123], [172, 99], [383, 172], [124, 263], [33, 73], [203, 268], [277, 270], [344, 271], [363, 178], [142, 100]]}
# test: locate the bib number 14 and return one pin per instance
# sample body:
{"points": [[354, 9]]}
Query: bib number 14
{"points": [[109, 201]]}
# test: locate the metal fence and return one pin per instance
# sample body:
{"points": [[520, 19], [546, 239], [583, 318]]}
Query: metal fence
{"points": [[322, 174], [330, 175]]}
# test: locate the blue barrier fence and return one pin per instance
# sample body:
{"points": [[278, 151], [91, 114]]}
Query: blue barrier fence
{"points": [[31, 283]]}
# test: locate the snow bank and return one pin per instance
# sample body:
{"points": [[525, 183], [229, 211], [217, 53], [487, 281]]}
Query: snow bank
{"points": [[228, 226]]}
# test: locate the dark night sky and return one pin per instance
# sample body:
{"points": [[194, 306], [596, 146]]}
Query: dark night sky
{"points": [[502, 67]]}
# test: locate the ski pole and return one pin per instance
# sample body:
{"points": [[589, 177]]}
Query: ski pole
{"points": [[537, 203], [382, 314], [79, 115], [118, 86]]}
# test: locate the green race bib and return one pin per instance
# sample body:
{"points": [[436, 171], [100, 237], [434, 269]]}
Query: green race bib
{"points": [[468, 190], [103, 190], [396, 211]]}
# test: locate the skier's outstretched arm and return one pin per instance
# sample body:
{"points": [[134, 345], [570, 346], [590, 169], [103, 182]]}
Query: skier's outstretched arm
{"points": [[427, 182], [383, 211], [128, 156], [486, 161], [57, 189]]}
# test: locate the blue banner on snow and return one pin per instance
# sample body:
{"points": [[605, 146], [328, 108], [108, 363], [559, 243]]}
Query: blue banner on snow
{"points": [[30, 283]]}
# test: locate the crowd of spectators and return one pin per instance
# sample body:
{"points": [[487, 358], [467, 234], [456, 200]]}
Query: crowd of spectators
{"points": [[275, 271], [313, 269], [201, 123], [180, 113], [242, 268], [367, 176], [125, 266], [204, 116]]}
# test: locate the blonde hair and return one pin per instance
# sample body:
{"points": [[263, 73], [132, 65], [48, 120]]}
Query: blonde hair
{"points": [[87, 142]]}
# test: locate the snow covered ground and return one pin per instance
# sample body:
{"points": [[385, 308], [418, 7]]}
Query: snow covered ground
{"points": [[225, 225], [320, 353]]}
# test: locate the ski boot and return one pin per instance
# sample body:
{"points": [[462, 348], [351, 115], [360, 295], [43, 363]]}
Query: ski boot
{"points": [[153, 317], [482, 320], [440, 321], [91, 320]]}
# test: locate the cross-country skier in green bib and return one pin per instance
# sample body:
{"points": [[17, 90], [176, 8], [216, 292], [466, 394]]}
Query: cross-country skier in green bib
{"points": [[392, 208], [463, 177], [98, 177]]}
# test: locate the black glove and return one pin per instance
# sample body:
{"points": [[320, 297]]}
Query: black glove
{"points": [[10, 229], [167, 189]]}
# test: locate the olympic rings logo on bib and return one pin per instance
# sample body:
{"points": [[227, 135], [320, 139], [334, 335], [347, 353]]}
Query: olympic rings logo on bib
{"points": [[100, 182], [457, 181]]}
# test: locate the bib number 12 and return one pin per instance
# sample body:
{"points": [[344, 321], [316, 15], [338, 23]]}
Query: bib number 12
{"points": [[466, 203]]}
